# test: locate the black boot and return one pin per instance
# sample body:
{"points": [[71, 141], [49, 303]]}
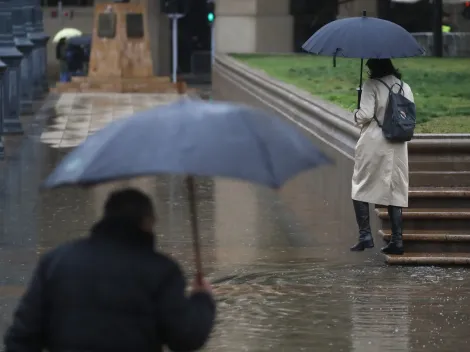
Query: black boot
{"points": [[395, 246], [365, 235]]}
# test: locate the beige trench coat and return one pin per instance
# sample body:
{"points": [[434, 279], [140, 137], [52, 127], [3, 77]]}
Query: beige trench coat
{"points": [[380, 167]]}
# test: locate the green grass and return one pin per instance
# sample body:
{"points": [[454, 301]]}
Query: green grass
{"points": [[441, 86]]}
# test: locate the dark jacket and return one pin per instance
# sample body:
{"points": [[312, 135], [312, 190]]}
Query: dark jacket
{"points": [[109, 292]]}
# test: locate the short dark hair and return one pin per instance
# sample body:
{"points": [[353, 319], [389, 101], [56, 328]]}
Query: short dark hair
{"points": [[129, 205], [382, 67]]}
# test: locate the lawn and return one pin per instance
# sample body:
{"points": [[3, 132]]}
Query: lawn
{"points": [[441, 86]]}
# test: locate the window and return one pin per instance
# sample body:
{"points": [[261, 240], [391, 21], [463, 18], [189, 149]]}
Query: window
{"points": [[107, 25], [134, 25]]}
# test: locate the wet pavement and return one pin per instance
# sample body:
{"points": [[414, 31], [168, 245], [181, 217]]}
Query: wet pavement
{"points": [[285, 278]]}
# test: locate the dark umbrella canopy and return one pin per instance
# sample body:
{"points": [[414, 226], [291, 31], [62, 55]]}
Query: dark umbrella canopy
{"points": [[363, 38], [80, 40], [195, 138]]}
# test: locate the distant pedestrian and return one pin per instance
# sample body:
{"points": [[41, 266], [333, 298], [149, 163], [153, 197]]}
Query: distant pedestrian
{"points": [[60, 54], [380, 167], [112, 292]]}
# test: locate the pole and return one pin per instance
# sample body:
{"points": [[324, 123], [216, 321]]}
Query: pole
{"points": [[60, 10], [437, 28], [212, 42], [175, 48], [174, 19], [194, 227]]}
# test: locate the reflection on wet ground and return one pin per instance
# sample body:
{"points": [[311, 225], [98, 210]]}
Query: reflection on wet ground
{"points": [[282, 284]]}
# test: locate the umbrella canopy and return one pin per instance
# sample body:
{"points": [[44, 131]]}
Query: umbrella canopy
{"points": [[66, 33], [363, 38], [195, 138], [80, 40]]}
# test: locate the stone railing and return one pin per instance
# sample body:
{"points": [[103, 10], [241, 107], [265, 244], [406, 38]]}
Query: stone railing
{"points": [[455, 44], [23, 62]]}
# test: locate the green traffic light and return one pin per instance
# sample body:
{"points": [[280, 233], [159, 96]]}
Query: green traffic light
{"points": [[210, 17]]}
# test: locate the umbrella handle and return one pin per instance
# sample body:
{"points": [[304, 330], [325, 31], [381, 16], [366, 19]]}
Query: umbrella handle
{"points": [[194, 227]]}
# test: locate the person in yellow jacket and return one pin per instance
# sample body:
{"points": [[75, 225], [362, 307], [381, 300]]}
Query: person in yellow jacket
{"points": [[447, 25]]}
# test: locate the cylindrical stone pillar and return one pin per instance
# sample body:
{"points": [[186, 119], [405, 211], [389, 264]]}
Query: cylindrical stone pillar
{"points": [[3, 68], [39, 27], [253, 26], [39, 40], [26, 47], [12, 57]]}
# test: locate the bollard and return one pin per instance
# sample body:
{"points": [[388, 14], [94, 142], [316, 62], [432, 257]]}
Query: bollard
{"points": [[25, 46], [3, 68], [39, 26], [12, 57], [39, 40]]}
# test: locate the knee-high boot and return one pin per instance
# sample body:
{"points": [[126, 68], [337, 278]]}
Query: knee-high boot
{"points": [[395, 246], [363, 222]]}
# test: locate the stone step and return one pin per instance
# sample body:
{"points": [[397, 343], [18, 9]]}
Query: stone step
{"points": [[430, 219], [420, 241], [442, 197], [439, 178], [429, 259], [448, 164]]}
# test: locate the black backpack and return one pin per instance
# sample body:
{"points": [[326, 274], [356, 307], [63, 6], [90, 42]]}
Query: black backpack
{"points": [[400, 116]]}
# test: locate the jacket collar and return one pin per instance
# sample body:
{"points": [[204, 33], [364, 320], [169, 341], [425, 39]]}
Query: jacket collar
{"points": [[122, 231]]}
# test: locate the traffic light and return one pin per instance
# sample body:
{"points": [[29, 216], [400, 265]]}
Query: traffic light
{"points": [[210, 4], [466, 10]]}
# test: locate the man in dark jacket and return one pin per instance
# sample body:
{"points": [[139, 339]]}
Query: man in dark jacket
{"points": [[112, 292]]}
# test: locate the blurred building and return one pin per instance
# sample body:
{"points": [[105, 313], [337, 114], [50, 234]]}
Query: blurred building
{"points": [[250, 26]]}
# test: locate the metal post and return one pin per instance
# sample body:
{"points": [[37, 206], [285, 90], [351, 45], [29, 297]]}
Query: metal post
{"points": [[60, 13], [25, 46], [3, 68], [212, 41], [174, 21], [437, 28], [12, 57], [38, 24]]}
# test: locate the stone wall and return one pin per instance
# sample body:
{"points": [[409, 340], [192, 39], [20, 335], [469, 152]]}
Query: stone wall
{"points": [[455, 44]]}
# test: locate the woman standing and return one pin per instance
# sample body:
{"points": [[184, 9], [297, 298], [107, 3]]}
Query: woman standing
{"points": [[381, 167]]}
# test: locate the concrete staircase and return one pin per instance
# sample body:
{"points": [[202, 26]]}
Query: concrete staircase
{"points": [[437, 222]]}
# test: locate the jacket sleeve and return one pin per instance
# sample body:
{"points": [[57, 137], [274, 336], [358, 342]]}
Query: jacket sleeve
{"points": [[367, 109], [185, 323], [26, 332]]}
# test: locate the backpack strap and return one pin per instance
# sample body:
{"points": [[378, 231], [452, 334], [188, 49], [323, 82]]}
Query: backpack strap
{"points": [[385, 84], [400, 85]]}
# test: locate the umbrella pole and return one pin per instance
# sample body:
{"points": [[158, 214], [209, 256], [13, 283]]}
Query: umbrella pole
{"points": [[194, 226], [359, 89]]}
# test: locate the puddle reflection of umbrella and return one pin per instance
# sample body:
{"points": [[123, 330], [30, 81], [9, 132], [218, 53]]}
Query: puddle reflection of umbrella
{"points": [[192, 138], [363, 38]]}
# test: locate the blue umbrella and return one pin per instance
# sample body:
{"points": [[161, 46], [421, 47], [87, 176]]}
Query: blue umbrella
{"points": [[363, 38], [192, 138], [84, 40]]}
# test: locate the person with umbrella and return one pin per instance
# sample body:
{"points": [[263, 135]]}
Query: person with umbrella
{"points": [[112, 291], [380, 166], [138, 292]]}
